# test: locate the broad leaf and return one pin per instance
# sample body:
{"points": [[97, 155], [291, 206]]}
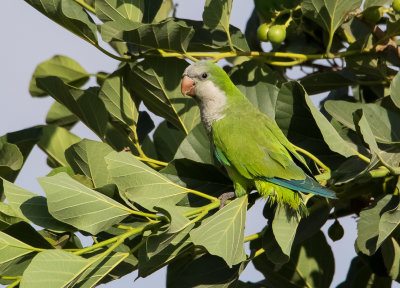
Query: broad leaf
{"points": [[196, 147], [388, 223], [365, 131], [157, 84], [55, 140], [32, 207], [85, 104], [67, 69], [11, 251], [75, 204], [284, 228], [205, 271], [87, 158], [159, 250], [368, 225], [68, 14], [306, 127], [118, 100], [326, 81], [53, 268], [222, 234], [391, 258], [167, 139], [99, 269], [140, 183], [8, 216], [379, 3], [329, 14], [395, 90], [168, 34], [59, 115], [217, 14], [311, 265], [113, 10], [383, 122], [11, 159]]}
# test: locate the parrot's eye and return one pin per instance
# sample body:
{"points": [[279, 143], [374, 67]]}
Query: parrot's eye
{"points": [[204, 75]]}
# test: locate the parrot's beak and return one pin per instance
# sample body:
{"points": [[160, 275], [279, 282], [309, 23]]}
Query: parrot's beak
{"points": [[187, 86]]}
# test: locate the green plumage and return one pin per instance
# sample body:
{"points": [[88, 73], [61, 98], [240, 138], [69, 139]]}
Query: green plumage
{"points": [[252, 147]]}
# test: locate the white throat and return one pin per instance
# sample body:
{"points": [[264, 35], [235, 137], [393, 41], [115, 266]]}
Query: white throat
{"points": [[212, 103]]}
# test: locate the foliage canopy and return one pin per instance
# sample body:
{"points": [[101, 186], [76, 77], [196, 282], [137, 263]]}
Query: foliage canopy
{"points": [[149, 202]]}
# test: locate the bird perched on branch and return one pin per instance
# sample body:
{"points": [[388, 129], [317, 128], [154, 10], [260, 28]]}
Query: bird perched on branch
{"points": [[250, 145]]}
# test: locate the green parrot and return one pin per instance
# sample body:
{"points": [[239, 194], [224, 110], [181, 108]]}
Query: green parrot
{"points": [[250, 145]]}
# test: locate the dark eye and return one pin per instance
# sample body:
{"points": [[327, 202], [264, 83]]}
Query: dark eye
{"points": [[204, 75]]}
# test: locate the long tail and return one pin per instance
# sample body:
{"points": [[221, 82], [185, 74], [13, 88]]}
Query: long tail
{"points": [[308, 185]]}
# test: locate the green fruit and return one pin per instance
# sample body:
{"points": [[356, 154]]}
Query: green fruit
{"points": [[396, 6], [277, 33], [336, 231], [262, 32], [373, 14]]}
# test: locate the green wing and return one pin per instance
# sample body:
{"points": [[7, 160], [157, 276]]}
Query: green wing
{"points": [[254, 145]]}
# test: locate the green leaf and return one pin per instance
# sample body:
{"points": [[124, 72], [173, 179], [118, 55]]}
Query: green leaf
{"points": [[11, 251], [379, 3], [11, 159], [196, 147], [391, 258], [167, 139], [200, 177], [92, 212], [68, 14], [53, 268], [140, 183], [164, 11], [118, 100], [85, 104], [67, 69], [113, 10], [383, 122], [395, 90], [206, 39], [222, 234], [368, 225], [329, 14], [59, 115], [216, 14], [31, 207], [205, 271], [55, 140], [99, 269], [284, 229], [168, 34], [306, 127], [157, 84], [311, 265], [8, 216], [25, 140], [389, 222], [319, 82], [87, 158], [365, 130], [159, 250]]}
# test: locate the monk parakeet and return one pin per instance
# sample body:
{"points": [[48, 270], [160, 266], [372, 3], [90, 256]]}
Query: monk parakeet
{"points": [[250, 145]]}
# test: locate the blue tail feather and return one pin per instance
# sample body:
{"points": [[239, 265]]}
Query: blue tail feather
{"points": [[308, 185]]}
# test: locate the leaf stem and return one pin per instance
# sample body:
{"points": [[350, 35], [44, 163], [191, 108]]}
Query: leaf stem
{"points": [[15, 283], [311, 156], [258, 252], [253, 236], [86, 6], [201, 194]]}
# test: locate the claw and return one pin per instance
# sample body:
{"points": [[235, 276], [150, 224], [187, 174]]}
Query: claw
{"points": [[225, 197]]}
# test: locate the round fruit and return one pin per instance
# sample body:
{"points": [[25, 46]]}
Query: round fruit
{"points": [[396, 6], [277, 33], [373, 14], [336, 231], [262, 32]]}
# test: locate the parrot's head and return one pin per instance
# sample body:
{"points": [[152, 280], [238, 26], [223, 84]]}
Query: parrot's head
{"points": [[205, 82]]}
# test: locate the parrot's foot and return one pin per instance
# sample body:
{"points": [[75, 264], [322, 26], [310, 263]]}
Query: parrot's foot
{"points": [[225, 197]]}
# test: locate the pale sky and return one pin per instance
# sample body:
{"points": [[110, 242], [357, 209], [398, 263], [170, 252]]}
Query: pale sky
{"points": [[29, 38]]}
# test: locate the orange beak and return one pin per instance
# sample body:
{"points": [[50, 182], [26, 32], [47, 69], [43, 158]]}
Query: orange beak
{"points": [[187, 86]]}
